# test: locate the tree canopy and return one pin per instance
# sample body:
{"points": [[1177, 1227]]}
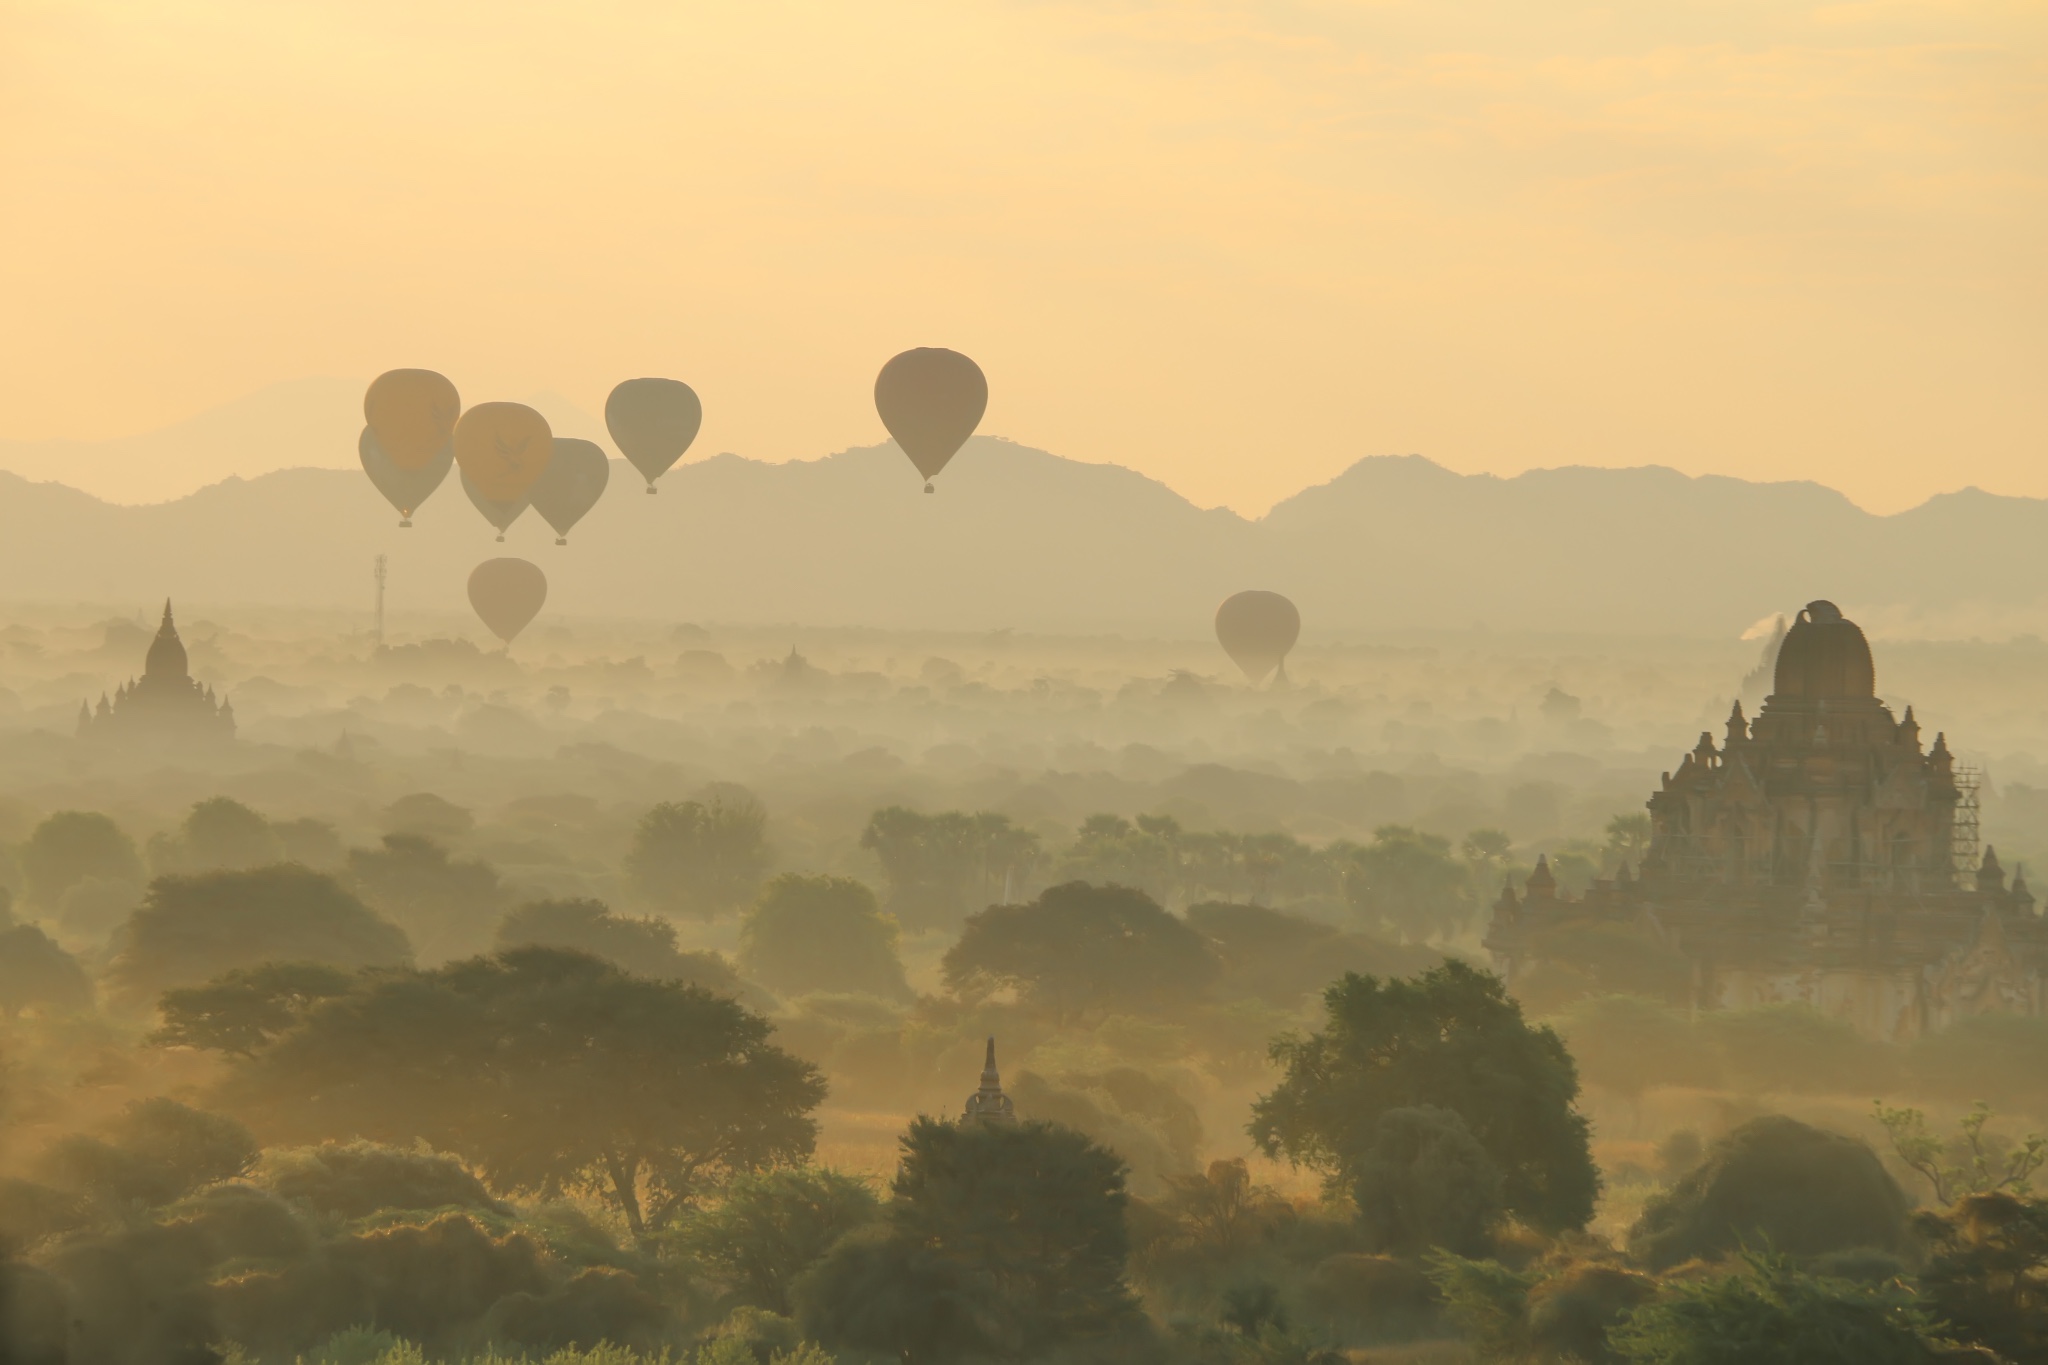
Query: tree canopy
{"points": [[809, 934], [645, 947], [1779, 1182], [219, 832], [1451, 1039], [71, 846], [192, 929], [1082, 950], [548, 1070], [448, 905], [940, 868], [1005, 1240], [701, 858]]}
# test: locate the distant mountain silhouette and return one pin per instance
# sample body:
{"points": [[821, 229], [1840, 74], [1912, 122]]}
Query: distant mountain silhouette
{"points": [[1019, 538]]}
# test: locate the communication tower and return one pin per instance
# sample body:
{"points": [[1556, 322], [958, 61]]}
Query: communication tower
{"points": [[380, 601]]}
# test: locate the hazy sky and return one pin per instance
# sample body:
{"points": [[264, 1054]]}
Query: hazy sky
{"points": [[1233, 245]]}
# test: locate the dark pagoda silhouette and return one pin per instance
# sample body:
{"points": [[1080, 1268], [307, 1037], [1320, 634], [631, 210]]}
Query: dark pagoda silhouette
{"points": [[166, 702], [1818, 855]]}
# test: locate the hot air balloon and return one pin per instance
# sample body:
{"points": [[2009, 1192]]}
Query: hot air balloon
{"points": [[1256, 629], [653, 421], [507, 595], [413, 413], [502, 448], [499, 512], [571, 484], [404, 489], [931, 399]]}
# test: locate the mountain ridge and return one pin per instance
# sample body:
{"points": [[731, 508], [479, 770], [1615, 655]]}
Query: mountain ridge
{"points": [[1020, 538]]}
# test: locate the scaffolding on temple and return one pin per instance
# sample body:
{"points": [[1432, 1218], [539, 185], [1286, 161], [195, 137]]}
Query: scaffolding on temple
{"points": [[1963, 835]]}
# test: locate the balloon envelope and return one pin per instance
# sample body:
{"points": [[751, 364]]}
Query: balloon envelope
{"points": [[1256, 629], [931, 399], [502, 448], [507, 594], [653, 422], [571, 484], [413, 413], [404, 489], [499, 512]]}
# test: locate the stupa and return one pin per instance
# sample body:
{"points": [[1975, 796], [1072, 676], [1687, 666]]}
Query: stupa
{"points": [[989, 1104]]}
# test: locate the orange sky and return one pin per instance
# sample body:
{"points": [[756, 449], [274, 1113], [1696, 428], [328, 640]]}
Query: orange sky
{"points": [[1233, 245]]}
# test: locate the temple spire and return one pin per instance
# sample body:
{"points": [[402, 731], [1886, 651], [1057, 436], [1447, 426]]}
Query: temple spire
{"points": [[989, 1104]]}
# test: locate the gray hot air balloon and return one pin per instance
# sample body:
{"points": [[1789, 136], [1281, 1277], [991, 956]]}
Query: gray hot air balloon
{"points": [[931, 400], [571, 484], [1256, 629], [497, 513], [653, 421], [404, 489], [507, 595]]}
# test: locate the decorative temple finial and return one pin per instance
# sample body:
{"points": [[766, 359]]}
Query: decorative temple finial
{"points": [[1990, 876], [1738, 727], [989, 1104], [1541, 886]]}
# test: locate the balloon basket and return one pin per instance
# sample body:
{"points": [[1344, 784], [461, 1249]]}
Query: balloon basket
{"points": [[929, 489], [561, 540], [501, 537], [405, 523], [650, 490]]}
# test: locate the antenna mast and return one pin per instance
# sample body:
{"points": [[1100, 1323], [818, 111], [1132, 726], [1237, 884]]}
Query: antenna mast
{"points": [[380, 601]]}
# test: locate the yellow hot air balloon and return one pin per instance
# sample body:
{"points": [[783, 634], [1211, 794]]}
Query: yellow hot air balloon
{"points": [[503, 447], [413, 413]]}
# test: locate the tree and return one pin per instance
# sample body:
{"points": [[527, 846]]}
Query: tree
{"points": [[810, 934], [216, 833], [1986, 1272], [1452, 1039], [773, 1225], [1771, 1313], [239, 1012], [701, 858], [190, 930], [156, 1151], [1082, 950], [646, 947], [548, 1070], [36, 974], [71, 846], [428, 816], [1970, 1164], [1774, 1181], [447, 905], [1005, 1239], [939, 868], [1425, 1182], [1408, 882], [1628, 838], [1283, 959]]}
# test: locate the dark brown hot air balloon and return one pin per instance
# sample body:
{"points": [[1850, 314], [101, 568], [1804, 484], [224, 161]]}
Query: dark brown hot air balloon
{"points": [[653, 421], [404, 489], [931, 400], [507, 595], [413, 413], [571, 484], [1256, 629]]}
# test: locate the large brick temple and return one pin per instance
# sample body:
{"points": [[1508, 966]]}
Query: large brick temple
{"points": [[1818, 854]]}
